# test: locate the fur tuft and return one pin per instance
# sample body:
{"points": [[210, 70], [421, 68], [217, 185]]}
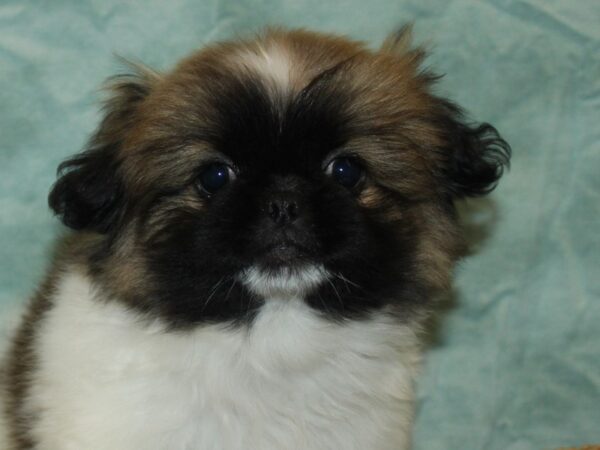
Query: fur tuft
{"points": [[400, 44]]}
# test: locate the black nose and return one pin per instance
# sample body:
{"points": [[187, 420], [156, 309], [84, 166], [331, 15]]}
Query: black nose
{"points": [[283, 208]]}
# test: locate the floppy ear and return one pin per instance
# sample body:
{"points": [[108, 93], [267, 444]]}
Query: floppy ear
{"points": [[474, 156], [89, 191]]}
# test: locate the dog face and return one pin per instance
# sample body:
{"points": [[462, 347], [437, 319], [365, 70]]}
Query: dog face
{"points": [[294, 164]]}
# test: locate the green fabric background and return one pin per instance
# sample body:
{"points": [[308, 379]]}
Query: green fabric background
{"points": [[515, 363]]}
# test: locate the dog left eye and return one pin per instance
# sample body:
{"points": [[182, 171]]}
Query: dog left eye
{"points": [[215, 177], [346, 171]]}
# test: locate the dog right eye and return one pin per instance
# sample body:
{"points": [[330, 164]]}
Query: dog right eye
{"points": [[215, 177], [346, 171]]}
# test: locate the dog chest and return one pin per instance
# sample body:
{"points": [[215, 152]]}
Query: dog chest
{"points": [[107, 379]]}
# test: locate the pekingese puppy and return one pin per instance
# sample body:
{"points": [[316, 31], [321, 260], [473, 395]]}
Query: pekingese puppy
{"points": [[257, 238]]}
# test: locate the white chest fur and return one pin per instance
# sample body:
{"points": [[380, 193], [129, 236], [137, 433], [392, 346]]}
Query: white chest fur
{"points": [[109, 381]]}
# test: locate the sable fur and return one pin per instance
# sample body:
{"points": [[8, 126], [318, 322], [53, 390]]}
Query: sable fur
{"points": [[131, 198]]}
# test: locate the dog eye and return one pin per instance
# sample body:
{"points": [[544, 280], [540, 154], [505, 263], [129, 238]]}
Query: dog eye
{"points": [[215, 177], [346, 171]]}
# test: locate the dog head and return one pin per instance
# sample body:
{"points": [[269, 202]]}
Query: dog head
{"points": [[293, 164]]}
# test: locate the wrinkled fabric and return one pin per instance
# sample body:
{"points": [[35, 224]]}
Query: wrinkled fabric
{"points": [[514, 360]]}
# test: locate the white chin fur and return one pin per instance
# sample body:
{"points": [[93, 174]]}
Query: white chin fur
{"points": [[284, 282]]}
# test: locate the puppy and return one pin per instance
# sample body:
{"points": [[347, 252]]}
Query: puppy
{"points": [[257, 238]]}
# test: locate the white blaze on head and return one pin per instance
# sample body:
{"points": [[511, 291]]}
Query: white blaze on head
{"points": [[271, 62], [284, 282]]}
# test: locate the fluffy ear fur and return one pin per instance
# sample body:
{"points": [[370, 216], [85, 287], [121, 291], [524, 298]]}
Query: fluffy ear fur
{"points": [[89, 191], [474, 156]]}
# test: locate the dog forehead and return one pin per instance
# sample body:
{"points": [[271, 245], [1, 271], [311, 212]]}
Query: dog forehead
{"points": [[250, 101], [272, 62], [286, 61], [283, 98]]}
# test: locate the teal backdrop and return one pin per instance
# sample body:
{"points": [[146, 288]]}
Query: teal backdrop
{"points": [[515, 362]]}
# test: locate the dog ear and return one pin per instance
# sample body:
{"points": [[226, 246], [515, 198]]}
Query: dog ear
{"points": [[89, 194], [473, 156]]}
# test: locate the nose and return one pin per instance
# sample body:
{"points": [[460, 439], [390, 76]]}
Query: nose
{"points": [[283, 208]]}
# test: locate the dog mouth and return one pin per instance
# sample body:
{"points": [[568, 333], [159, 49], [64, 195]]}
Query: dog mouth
{"points": [[285, 252], [287, 265]]}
